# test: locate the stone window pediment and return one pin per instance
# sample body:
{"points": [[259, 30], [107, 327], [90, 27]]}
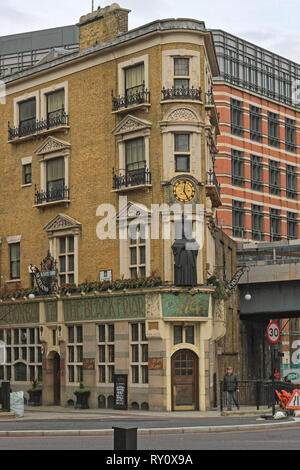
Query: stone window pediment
{"points": [[62, 222], [52, 145], [131, 124]]}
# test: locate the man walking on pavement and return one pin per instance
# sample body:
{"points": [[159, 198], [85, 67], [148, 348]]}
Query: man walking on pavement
{"points": [[231, 388]]}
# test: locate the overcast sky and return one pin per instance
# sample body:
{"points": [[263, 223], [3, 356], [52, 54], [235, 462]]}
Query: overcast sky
{"points": [[272, 24]]}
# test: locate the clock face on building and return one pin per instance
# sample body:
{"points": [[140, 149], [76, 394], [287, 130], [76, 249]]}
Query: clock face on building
{"points": [[184, 190]]}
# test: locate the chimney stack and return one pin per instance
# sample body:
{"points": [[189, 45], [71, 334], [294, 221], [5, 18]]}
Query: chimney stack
{"points": [[102, 25]]}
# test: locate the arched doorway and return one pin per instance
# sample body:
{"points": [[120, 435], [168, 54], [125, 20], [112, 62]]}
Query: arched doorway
{"points": [[184, 366]]}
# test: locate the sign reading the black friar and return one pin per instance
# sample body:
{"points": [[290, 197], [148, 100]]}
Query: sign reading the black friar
{"points": [[120, 392], [46, 278]]}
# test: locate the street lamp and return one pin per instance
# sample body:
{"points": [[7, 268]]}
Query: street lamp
{"points": [[248, 295]]}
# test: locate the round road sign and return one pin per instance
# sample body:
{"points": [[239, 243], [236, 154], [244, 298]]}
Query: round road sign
{"points": [[273, 332]]}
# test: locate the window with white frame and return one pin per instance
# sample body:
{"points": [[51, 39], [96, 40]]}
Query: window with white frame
{"points": [[133, 140], [134, 79], [181, 73], [23, 354], [182, 152], [181, 69], [14, 260], [106, 353], [138, 353], [133, 76], [26, 170], [27, 114], [27, 173], [54, 171], [135, 154], [137, 257], [75, 354], [134, 242], [63, 246], [66, 259], [55, 102]]}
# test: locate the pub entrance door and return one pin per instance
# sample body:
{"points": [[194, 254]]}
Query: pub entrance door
{"points": [[184, 365]]}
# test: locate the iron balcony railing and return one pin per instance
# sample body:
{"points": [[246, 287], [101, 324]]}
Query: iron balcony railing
{"points": [[181, 93], [211, 179], [131, 178], [139, 97], [33, 127], [59, 193]]}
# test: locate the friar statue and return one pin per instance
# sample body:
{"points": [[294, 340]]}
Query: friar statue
{"points": [[185, 251]]}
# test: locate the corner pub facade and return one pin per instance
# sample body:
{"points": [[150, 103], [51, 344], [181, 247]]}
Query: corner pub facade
{"points": [[128, 117]]}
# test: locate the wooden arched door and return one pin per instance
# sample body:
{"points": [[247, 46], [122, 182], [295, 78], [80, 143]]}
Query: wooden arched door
{"points": [[184, 365]]}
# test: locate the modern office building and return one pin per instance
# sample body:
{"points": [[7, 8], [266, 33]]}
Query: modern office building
{"points": [[257, 164], [20, 51]]}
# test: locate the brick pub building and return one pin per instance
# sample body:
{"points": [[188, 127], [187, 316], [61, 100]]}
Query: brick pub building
{"points": [[86, 130]]}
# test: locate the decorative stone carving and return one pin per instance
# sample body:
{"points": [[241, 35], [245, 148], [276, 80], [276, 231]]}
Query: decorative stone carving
{"points": [[51, 144], [182, 114], [153, 306], [219, 326], [131, 124]]}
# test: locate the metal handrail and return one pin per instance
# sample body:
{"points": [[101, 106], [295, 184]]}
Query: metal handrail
{"points": [[181, 93], [130, 178]]}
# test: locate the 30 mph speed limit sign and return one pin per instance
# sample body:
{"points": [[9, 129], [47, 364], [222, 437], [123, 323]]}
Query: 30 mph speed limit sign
{"points": [[273, 332]]}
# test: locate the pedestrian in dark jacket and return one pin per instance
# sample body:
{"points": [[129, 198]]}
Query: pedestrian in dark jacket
{"points": [[230, 384]]}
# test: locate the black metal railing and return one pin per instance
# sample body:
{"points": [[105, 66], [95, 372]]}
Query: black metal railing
{"points": [[256, 392], [33, 127], [139, 97], [61, 193], [211, 179], [181, 93], [130, 178]]}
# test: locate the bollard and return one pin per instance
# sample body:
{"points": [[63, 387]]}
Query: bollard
{"points": [[125, 438], [5, 395]]}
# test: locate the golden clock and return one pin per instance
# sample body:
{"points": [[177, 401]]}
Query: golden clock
{"points": [[184, 190]]}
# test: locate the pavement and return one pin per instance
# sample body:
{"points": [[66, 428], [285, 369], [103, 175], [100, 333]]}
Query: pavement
{"points": [[56, 421]]}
